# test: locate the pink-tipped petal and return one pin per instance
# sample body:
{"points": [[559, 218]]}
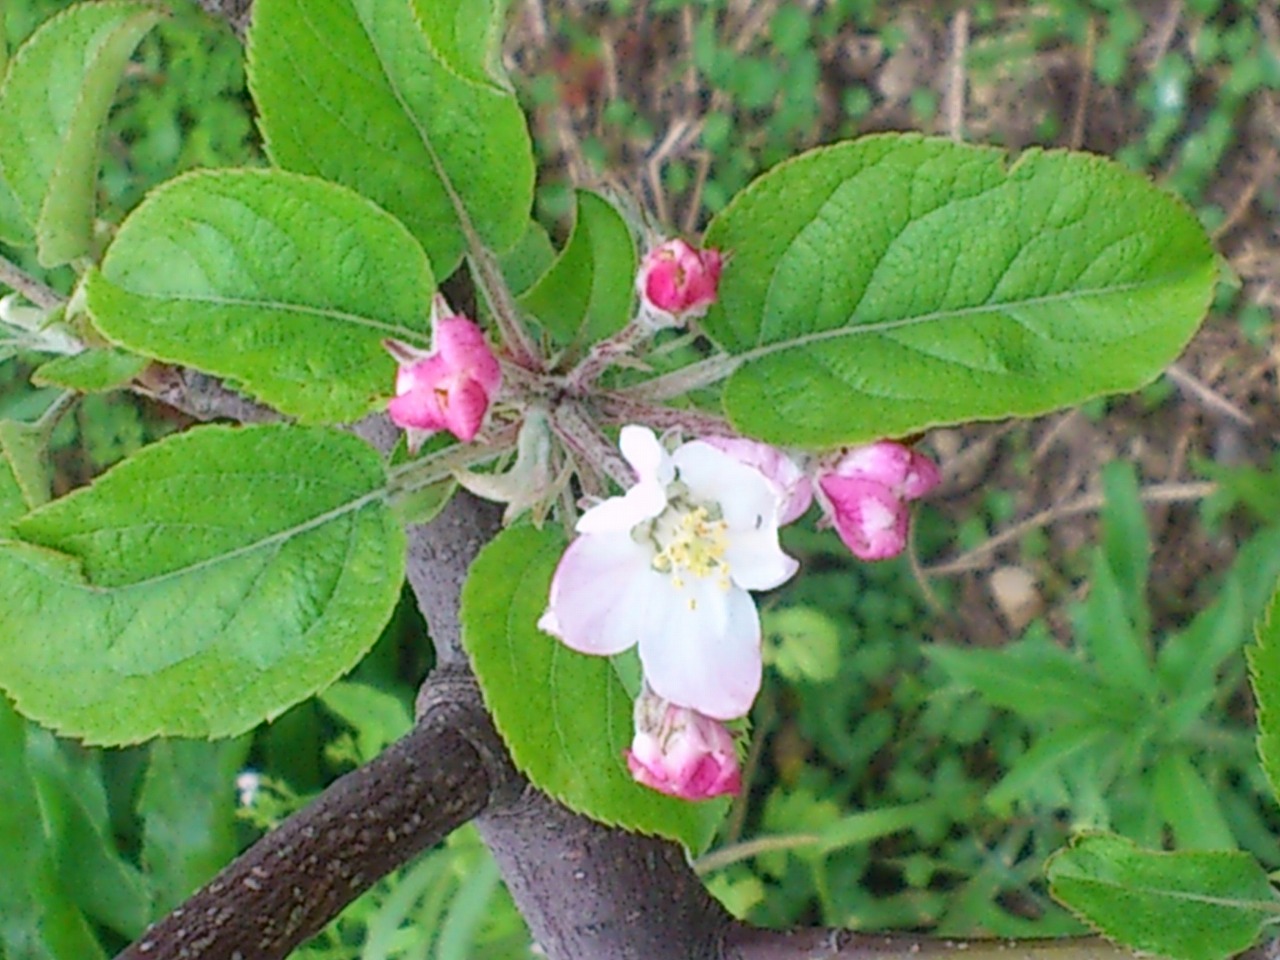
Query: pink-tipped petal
{"points": [[449, 388], [464, 407], [869, 517], [594, 620], [679, 281], [418, 408], [462, 345], [795, 491], [749, 504], [922, 476], [680, 752], [884, 461]]}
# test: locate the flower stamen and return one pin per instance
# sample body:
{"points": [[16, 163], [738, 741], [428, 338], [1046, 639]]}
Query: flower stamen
{"points": [[692, 542]]}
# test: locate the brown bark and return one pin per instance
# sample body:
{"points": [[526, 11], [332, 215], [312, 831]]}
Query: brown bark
{"points": [[587, 890], [289, 884]]}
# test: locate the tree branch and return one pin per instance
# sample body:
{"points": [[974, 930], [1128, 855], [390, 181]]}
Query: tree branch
{"points": [[42, 295], [199, 395], [746, 942], [294, 880], [591, 891]]}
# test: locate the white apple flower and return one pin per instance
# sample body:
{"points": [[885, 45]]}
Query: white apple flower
{"points": [[668, 566]]}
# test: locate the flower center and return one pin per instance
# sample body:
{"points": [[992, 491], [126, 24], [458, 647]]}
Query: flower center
{"points": [[691, 542]]}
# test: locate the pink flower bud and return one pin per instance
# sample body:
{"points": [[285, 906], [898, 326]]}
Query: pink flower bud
{"points": [[865, 496], [677, 282], [788, 481], [680, 752], [450, 387]]}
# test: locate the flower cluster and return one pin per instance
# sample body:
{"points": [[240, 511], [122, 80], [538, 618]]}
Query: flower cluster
{"points": [[669, 566]]}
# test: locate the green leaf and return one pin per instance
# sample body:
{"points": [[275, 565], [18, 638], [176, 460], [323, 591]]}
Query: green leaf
{"points": [[1190, 806], [424, 505], [377, 717], [187, 806], [1109, 636], [26, 476], [1037, 680], [1047, 754], [587, 292], [93, 371], [14, 229], [73, 806], [1187, 906], [12, 503], [802, 642], [565, 716], [1190, 661], [39, 919], [1264, 672], [54, 102], [208, 583], [531, 257], [471, 906], [1126, 541], [894, 283], [284, 283], [404, 105]]}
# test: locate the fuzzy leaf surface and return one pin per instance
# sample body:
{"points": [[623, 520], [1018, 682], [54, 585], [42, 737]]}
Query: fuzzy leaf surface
{"points": [[286, 284], [1187, 906], [26, 476], [587, 292], [93, 371], [894, 283], [565, 716], [204, 585], [54, 103], [403, 103]]}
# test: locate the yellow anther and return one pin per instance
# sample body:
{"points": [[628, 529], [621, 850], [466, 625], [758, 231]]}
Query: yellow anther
{"points": [[691, 542]]}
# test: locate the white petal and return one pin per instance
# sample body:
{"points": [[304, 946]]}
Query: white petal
{"points": [[642, 450], [642, 502], [750, 506], [746, 499], [646, 499], [600, 593], [704, 655], [756, 560]]}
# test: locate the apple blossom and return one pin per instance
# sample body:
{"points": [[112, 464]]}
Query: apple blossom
{"points": [[676, 282], [667, 566], [795, 491], [447, 388], [680, 752], [865, 493]]}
